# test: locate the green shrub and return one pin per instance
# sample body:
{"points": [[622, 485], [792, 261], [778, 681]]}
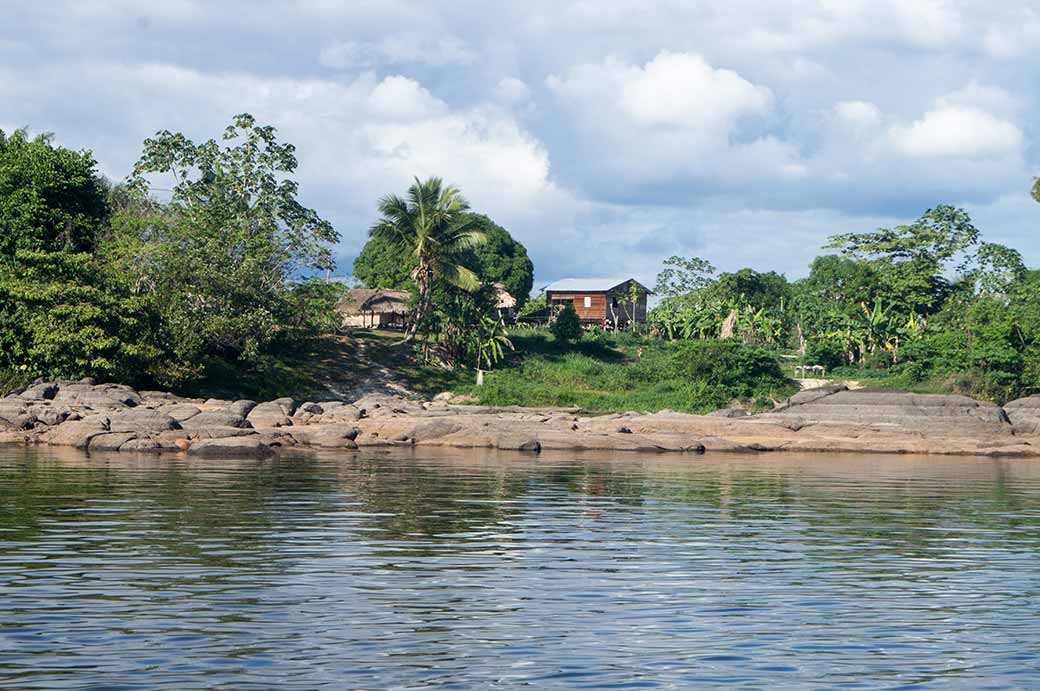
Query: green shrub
{"points": [[828, 352], [743, 372], [566, 326]]}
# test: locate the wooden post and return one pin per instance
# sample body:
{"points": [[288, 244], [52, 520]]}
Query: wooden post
{"points": [[480, 377]]}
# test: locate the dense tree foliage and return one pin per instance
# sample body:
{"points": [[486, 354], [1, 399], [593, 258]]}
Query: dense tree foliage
{"points": [[432, 229], [927, 304], [60, 314], [51, 198], [384, 263], [105, 280]]}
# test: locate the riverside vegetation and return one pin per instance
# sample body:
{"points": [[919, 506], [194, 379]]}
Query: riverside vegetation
{"points": [[212, 287]]}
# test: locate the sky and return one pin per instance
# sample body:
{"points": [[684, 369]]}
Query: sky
{"points": [[604, 135]]}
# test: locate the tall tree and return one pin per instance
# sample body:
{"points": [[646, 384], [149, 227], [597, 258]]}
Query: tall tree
{"points": [[385, 263], [61, 314], [430, 223], [51, 198], [222, 258], [682, 276], [912, 259]]}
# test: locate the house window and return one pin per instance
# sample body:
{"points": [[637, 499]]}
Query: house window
{"points": [[588, 302]]}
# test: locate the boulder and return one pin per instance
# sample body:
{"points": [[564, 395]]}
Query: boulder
{"points": [[40, 392], [78, 433], [120, 392], [381, 404], [142, 421], [434, 429], [326, 436], [143, 445], [180, 411], [343, 413], [51, 415], [231, 447], [218, 432], [1023, 413], [287, 405], [307, 413], [215, 418], [270, 414], [15, 414], [110, 441], [242, 407]]}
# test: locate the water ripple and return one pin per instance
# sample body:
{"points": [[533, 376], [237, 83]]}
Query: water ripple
{"points": [[439, 571]]}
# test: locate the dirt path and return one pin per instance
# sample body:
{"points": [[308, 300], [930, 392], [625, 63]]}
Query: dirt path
{"points": [[351, 366]]}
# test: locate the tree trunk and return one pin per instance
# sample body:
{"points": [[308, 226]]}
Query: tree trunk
{"points": [[422, 285]]}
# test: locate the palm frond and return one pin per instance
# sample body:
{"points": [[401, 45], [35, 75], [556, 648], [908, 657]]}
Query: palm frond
{"points": [[458, 276]]}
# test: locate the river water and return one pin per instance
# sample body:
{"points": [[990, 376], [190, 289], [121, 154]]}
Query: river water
{"points": [[473, 571]]}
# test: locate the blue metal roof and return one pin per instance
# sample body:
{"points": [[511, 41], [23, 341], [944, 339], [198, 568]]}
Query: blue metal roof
{"points": [[586, 285]]}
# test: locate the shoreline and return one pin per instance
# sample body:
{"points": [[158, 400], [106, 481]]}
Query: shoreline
{"points": [[832, 419]]}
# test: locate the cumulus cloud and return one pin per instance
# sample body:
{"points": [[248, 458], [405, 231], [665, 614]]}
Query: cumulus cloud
{"points": [[742, 130], [682, 90], [958, 131]]}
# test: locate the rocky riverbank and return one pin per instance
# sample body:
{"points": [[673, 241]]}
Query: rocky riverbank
{"points": [[112, 417]]}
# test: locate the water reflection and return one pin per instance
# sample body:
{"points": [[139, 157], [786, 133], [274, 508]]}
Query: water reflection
{"points": [[496, 571]]}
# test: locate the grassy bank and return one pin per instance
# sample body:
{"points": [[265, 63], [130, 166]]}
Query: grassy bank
{"points": [[618, 373]]}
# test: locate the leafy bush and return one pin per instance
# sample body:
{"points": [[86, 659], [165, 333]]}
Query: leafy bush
{"points": [[566, 326], [743, 372], [829, 352]]}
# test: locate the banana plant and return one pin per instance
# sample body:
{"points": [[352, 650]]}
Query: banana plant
{"points": [[491, 341]]}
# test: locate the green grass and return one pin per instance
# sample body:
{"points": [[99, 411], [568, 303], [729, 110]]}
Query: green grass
{"points": [[605, 374], [10, 380]]}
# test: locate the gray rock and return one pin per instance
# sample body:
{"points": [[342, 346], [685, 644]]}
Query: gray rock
{"points": [[143, 445], [215, 418], [180, 411], [231, 447], [78, 433], [1023, 413], [326, 436], [287, 405], [729, 413], [51, 415], [434, 429], [120, 392], [897, 409], [40, 392], [142, 420], [342, 413], [270, 414], [110, 441], [242, 407], [219, 432]]}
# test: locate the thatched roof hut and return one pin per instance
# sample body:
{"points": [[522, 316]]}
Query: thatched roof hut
{"points": [[368, 307], [505, 301]]}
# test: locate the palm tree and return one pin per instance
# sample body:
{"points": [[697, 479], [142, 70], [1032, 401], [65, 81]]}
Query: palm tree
{"points": [[430, 224]]}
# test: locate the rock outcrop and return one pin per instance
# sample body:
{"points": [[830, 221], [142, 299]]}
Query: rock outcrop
{"points": [[105, 418]]}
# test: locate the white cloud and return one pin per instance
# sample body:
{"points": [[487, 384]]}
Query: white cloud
{"points": [[401, 98], [1014, 35], [512, 91], [958, 131], [716, 126], [860, 115], [683, 90]]}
